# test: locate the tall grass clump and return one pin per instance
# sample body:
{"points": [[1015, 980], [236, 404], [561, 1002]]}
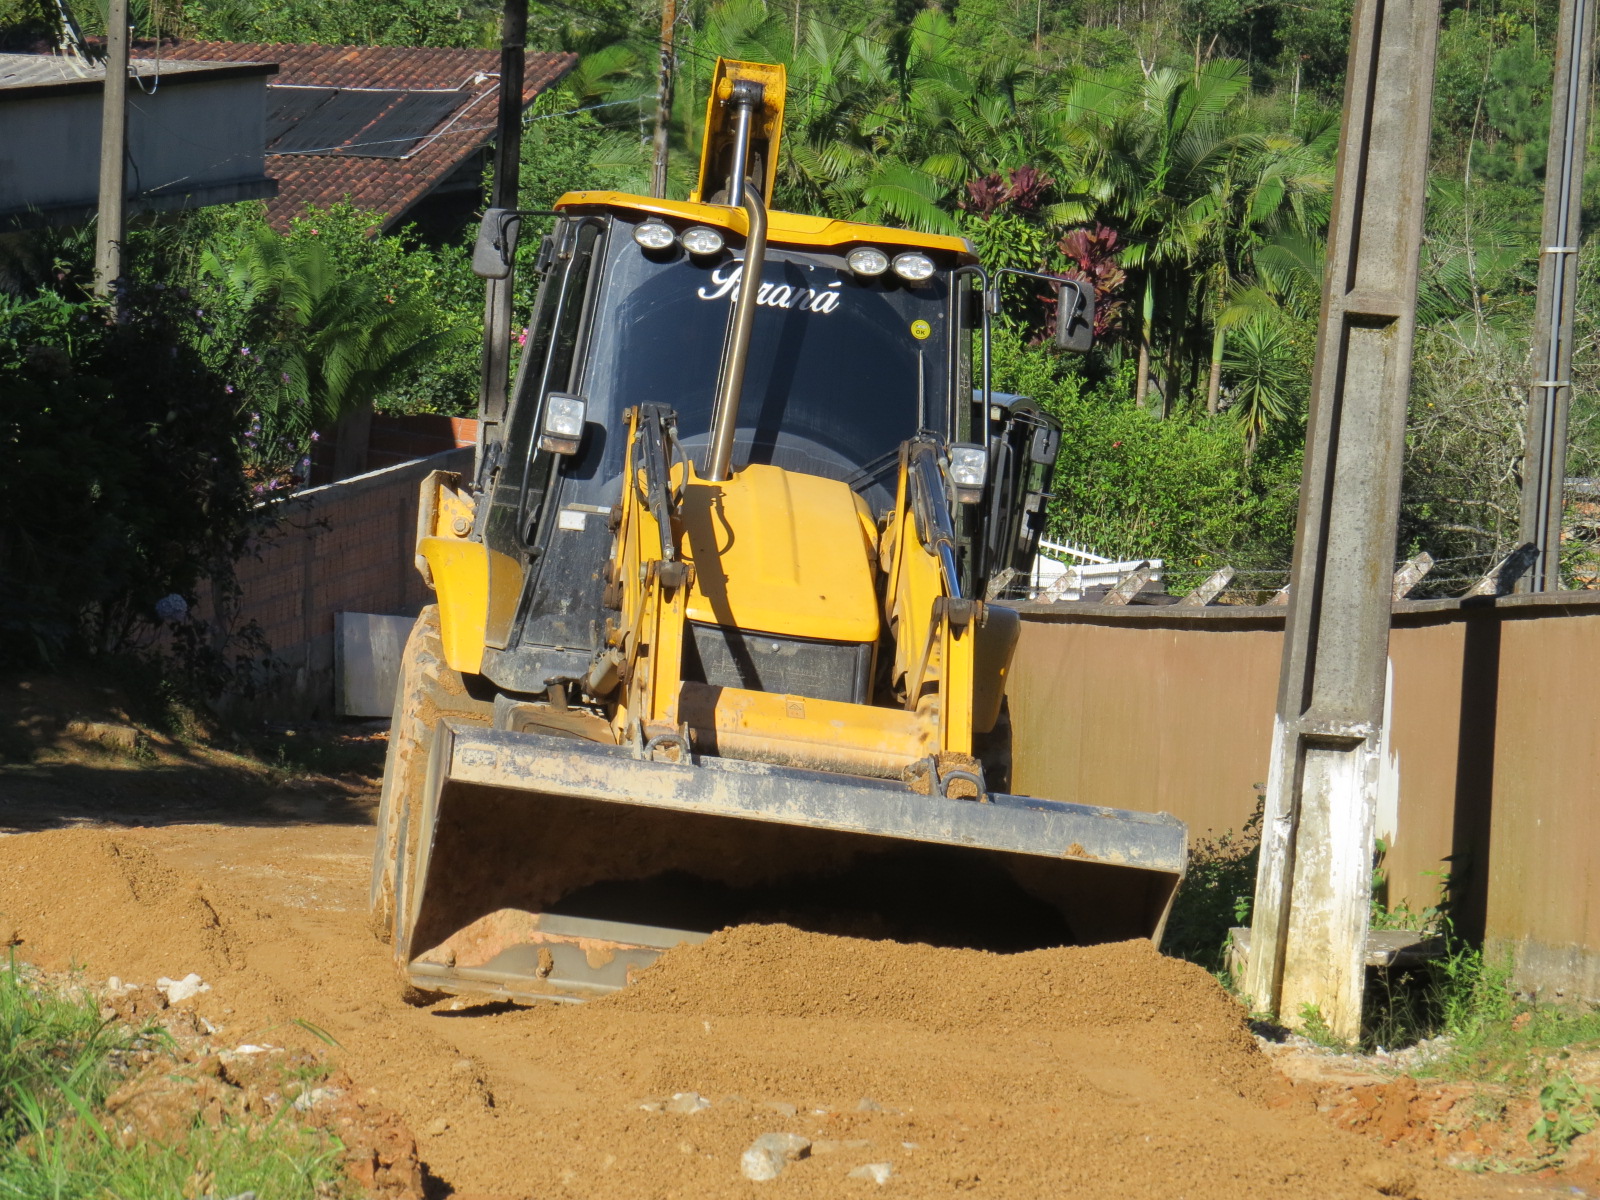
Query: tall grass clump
{"points": [[60, 1061]]}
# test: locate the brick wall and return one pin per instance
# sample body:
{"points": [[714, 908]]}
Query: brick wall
{"points": [[344, 547], [395, 440]]}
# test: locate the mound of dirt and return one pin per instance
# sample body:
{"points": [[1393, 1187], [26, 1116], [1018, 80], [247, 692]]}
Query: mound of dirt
{"points": [[1104, 1071], [784, 972], [86, 897]]}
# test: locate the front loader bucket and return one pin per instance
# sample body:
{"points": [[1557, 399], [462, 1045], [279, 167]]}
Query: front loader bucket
{"points": [[555, 868]]}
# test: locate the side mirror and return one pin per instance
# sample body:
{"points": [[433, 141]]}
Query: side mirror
{"points": [[1044, 446], [497, 243], [1075, 316]]}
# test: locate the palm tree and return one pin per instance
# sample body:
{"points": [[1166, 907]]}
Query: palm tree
{"points": [[1262, 358], [1272, 195], [1157, 155], [326, 341]]}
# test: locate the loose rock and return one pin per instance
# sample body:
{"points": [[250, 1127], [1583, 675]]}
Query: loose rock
{"points": [[315, 1098], [770, 1153], [879, 1173], [179, 990], [687, 1102]]}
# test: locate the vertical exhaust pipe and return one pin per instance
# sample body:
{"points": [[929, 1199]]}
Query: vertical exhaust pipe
{"points": [[745, 100]]}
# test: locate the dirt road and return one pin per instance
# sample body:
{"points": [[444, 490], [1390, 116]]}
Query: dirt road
{"points": [[1097, 1072]]}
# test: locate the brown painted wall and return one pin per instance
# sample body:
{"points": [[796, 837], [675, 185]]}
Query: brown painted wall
{"points": [[1494, 747], [1544, 886], [1145, 716]]}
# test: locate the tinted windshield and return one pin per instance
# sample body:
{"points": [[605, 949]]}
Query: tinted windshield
{"points": [[841, 370]]}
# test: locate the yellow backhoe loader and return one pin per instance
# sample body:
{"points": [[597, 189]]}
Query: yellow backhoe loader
{"points": [[713, 640]]}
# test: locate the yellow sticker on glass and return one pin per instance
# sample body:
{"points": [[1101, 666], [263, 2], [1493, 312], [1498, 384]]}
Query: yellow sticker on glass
{"points": [[921, 330]]}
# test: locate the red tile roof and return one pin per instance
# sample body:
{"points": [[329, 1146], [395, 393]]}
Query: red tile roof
{"points": [[387, 185]]}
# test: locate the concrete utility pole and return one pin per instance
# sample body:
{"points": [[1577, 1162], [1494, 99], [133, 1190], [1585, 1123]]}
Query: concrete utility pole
{"points": [[1313, 888], [108, 234], [1544, 467], [495, 383], [658, 165]]}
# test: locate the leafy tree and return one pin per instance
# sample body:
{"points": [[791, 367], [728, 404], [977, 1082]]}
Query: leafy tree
{"points": [[1517, 106], [1316, 43], [120, 481], [308, 343]]}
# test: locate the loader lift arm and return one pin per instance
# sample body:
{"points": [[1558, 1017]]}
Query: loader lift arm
{"points": [[740, 664]]}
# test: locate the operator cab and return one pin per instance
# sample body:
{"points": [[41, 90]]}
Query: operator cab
{"points": [[844, 364], [861, 345], [863, 339]]}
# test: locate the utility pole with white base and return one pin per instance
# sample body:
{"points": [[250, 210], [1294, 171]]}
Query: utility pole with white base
{"points": [[1314, 884]]}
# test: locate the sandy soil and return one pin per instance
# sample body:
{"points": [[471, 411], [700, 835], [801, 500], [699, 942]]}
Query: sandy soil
{"points": [[1074, 1072], [1097, 1072]]}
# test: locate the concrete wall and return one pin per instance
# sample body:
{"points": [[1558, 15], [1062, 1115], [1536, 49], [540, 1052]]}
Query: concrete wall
{"points": [[346, 547], [394, 440], [191, 138], [1494, 749]]}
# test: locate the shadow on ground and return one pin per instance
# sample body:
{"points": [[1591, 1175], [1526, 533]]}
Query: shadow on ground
{"points": [[70, 755]]}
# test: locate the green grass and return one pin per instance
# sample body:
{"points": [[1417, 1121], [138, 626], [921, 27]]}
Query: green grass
{"points": [[1498, 1038], [55, 1052], [1215, 896], [59, 1060], [86, 1159]]}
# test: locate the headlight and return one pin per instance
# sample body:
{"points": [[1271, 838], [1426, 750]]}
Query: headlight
{"points": [[867, 260], [563, 423], [968, 467], [701, 240], [654, 235], [913, 267]]}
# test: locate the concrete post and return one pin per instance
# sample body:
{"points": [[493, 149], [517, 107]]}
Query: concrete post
{"points": [[1545, 462], [108, 234], [1313, 888]]}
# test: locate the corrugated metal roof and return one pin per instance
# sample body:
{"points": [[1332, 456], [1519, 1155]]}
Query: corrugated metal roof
{"points": [[36, 70]]}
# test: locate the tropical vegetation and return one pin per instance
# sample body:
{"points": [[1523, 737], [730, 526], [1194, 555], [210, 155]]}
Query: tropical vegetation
{"points": [[1178, 154]]}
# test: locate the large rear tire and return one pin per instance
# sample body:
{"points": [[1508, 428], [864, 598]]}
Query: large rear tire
{"points": [[426, 690]]}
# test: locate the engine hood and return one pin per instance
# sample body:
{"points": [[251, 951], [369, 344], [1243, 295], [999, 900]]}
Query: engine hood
{"points": [[779, 552]]}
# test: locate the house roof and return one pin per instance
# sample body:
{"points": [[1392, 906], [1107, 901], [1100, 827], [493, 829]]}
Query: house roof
{"points": [[438, 135], [26, 76]]}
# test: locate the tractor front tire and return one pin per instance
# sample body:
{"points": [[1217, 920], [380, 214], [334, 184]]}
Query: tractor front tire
{"points": [[427, 690]]}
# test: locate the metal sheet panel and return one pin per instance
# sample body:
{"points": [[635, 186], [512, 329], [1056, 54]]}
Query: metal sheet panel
{"points": [[367, 123], [367, 651]]}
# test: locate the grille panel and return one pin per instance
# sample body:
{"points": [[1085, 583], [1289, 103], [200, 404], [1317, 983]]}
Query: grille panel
{"points": [[765, 662]]}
